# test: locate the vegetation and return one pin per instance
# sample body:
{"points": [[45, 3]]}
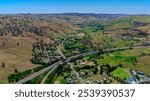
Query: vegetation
{"points": [[16, 77], [60, 80], [39, 68], [121, 73], [37, 80], [54, 74]]}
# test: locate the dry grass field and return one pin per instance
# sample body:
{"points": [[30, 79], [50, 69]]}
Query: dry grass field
{"points": [[15, 56]]}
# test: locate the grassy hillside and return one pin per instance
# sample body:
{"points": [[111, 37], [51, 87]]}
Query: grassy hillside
{"points": [[127, 22], [142, 18], [15, 57], [120, 23]]}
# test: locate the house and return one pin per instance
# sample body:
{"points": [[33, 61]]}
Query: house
{"points": [[134, 72], [82, 62], [141, 73]]}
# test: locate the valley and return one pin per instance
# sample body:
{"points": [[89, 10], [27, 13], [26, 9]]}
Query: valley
{"points": [[73, 48]]}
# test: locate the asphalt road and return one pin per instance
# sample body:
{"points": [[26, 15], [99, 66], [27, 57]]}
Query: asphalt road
{"points": [[39, 72], [65, 61]]}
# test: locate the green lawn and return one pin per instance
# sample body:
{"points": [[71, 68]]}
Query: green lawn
{"points": [[116, 58], [76, 45], [121, 73], [60, 80], [129, 59]]}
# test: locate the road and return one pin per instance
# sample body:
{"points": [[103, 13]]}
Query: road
{"points": [[45, 77], [61, 53], [64, 40], [39, 72], [66, 61], [82, 81]]}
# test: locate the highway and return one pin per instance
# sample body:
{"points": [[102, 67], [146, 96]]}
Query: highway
{"points": [[39, 72], [66, 61], [45, 77]]}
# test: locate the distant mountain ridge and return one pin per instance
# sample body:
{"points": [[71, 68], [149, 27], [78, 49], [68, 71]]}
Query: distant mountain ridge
{"points": [[49, 24]]}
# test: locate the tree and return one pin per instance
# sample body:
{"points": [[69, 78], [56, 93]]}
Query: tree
{"points": [[18, 43], [16, 77], [120, 65], [3, 65], [102, 70], [15, 70], [95, 71], [3, 44]]}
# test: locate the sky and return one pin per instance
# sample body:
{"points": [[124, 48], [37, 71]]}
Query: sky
{"points": [[75, 6]]}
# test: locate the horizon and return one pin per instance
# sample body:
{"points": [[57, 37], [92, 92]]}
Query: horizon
{"points": [[75, 6], [71, 13]]}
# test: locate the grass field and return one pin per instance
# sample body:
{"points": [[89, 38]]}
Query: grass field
{"points": [[60, 80], [121, 73], [96, 77]]}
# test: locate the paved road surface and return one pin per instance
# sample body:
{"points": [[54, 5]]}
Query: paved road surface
{"points": [[38, 73], [45, 77], [61, 53]]}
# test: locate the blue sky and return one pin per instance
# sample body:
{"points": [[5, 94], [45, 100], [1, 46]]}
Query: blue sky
{"points": [[78, 6]]}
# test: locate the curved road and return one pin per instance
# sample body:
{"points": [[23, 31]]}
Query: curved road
{"points": [[65, 61]]}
